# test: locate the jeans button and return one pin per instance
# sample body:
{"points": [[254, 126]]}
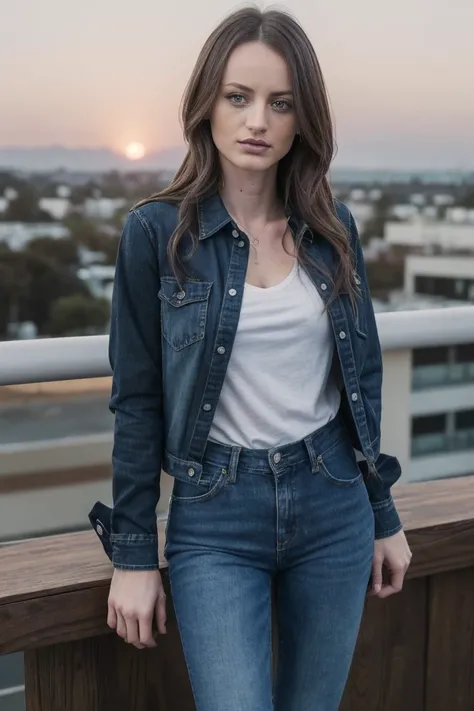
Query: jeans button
{"points": [[191, 471]]}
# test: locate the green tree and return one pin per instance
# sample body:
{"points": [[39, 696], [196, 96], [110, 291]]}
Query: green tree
{"points": [[29, 284], [467, 200], [63, 252], [375, 226], [25, 208], [385, 275], [86, 233], [78, 315]]}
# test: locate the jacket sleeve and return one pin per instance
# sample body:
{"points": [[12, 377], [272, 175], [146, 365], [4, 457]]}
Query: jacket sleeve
{"points": [[388, 471], [136, 398]]}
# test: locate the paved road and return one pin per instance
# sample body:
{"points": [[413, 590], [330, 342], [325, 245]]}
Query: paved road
{"points": [[36, 421]]}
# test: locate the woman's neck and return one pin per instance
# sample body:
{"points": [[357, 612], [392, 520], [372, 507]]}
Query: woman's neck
{"points": [[250, 197]]}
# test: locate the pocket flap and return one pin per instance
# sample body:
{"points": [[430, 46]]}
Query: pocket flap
{"points": [[191, 292]]}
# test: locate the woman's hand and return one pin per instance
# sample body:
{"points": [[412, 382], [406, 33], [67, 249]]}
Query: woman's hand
{"points": [[393, 553], [136, 598]]}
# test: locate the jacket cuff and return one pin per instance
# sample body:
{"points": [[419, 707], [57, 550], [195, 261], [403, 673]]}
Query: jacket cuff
{"points": [[386, 518], [134, 551]]}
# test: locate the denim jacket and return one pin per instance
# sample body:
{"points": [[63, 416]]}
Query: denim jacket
{"points": [[169, 349]]}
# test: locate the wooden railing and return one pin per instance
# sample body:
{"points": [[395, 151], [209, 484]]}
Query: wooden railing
{"points": [[415, 650]]}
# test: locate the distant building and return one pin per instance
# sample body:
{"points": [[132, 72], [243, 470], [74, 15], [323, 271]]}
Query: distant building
{"points": [[99, 278], [430, 234], [18, 234], [404, 211], [442, 199], [101, 208], [439, 397], [10, 194], [460, 215], [362, 211], [448, 276], [57, 207], [63, 191]]}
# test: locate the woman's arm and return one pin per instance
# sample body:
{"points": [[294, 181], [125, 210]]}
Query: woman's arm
{"points": [[136, 398], [387, 521]]}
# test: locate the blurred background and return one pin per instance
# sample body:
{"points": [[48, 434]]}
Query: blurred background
{"points": [[89, 125]]}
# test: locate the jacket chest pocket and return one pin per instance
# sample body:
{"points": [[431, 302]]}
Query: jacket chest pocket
{"points": [[183, 311]]}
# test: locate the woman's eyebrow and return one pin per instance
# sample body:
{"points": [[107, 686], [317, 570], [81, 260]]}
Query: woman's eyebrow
{"points": [[242, 87]]}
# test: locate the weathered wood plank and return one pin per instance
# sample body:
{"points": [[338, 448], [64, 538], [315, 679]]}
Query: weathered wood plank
{"points": [[387, 672], [450, 653], [104, 673]]}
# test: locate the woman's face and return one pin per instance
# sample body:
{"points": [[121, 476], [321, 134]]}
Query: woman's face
{"points": [[255, 104]]}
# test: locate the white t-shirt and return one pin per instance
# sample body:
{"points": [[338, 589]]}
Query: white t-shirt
{"points": [[278, 386]]}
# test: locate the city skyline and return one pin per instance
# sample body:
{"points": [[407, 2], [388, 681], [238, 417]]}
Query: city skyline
{"points": [[398, 77]]}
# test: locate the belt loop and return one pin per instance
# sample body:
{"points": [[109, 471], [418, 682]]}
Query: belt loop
{"points": [[233, 464], [312, 454]]}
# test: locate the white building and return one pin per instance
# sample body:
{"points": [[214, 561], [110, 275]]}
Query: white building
{"points": [[100, 208], [57, 207], [362, 211], [430, 234], [438, 397], [99, 278], [18, 234], [449, 276]]}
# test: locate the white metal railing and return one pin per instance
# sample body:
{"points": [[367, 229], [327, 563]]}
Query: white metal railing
{"points": [[53, 359]]}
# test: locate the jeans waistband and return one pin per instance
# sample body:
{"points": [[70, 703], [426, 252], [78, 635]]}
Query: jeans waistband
{"points": [[277, 459]]}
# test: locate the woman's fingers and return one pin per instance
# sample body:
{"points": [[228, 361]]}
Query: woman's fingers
{"points": [[160, 612]]}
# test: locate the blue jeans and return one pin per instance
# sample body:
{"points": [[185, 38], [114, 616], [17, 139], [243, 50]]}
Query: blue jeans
{"points": [[297, 519]]}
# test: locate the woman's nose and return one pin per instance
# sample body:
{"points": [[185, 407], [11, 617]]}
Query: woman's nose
{"points": [[257, 120]]}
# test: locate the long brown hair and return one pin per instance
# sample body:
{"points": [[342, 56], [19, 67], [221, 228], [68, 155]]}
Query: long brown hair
{"points": [[302, 174]]}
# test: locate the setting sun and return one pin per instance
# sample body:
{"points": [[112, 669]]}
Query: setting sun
{"points": [[135, 151]]}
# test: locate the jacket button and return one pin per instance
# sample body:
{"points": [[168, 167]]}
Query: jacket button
{"points": [[221, 350], [206, 407], [240, 243], [277, 457], [324, 286], [191, 471], [180, 295], [235, 233], [354, 397], [342, 335], [99, 529], [232, 292]]}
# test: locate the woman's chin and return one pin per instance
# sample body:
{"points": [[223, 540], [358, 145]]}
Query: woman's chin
{"points": [[251, 162]]}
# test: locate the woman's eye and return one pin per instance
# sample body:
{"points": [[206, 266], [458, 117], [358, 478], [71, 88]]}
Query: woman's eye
{"points": [[282, 105], [236, 98]]}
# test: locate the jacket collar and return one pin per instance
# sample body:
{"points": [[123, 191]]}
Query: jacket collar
{"points": [[213, 216]]}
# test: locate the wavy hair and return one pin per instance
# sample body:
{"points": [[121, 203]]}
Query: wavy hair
{"points": [[302, 181]]}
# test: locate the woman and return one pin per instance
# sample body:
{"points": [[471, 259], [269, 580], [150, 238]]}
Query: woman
{"points": [[246, 364]]}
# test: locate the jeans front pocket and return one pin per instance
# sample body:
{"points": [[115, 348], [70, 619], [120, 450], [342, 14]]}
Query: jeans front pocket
{"points": [[338, 464], [183, 311], [212, 480]]}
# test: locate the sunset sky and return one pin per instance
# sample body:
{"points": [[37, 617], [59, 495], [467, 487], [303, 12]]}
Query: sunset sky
{"points": [[106, 73]]}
